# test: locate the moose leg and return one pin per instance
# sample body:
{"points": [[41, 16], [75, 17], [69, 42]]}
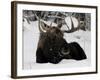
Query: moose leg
{"points": [[40, 58]]}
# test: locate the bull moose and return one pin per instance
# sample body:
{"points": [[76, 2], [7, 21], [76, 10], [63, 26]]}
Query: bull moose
{"points": [[52, 47]]}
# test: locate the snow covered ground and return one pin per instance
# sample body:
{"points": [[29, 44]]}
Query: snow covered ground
{"points": [[30, 41]]}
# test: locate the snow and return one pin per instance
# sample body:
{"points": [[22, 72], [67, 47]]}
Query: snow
{"points": [[30, 41]]}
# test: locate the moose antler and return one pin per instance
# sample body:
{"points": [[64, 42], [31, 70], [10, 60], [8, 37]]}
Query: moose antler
{"points": [[73, 26], [40, 22], [44, 25]]}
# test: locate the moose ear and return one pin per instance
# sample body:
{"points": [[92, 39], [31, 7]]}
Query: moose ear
{"points": [[43, 24], [43, 27]]}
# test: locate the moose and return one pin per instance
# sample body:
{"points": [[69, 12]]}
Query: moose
{"points": [[53, 48]]}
